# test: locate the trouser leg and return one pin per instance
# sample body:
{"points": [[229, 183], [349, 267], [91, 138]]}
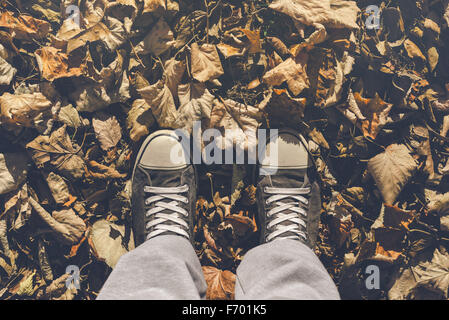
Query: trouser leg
{"points": [[283, 269], [165, 267]]}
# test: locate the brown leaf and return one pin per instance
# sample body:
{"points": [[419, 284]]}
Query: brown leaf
{"points": [[24, 26], [160, 99], [253, 36], [395, 217], [238, 121], [196, 104], [159, 40], [68, 227], [107, 130], [292, 71], [391, 170], [108, 241], [54, 64], [140, 119], [332, 13], [100, 171], [58, 150], [13, 171], [220, 283], [375, 112], [206, 64], [229, 50], [28, 109]]}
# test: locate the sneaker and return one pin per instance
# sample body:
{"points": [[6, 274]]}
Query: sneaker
{"points": [[287, 194], [164, 188]]}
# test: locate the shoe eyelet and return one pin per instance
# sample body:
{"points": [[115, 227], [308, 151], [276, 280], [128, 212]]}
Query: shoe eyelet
{"points": [[266, 202], [265, 189]]}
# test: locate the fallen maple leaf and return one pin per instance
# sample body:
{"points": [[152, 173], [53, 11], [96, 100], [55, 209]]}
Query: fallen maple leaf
{"points": [[391, 170], [220, 284], [206, 64]]}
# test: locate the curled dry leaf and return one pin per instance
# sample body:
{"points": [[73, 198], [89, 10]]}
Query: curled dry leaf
{"points": [[58, 151], [28, 109], [108, 241], [107, 130], [206, 64], [159, 40], [239, 123], [174, 71], [292, 71], [13, 171], [196, 104], [229, 50], [58, 187], [54, 64], [436, 274], [374, 112], [160, 99], [331, 13], [7, 72], [57, 290], [24, 26], [140, 119], [220, 283], [70, 116], [100, 171], [111, 33], [255, 45], [66, 225], [391, 170]]}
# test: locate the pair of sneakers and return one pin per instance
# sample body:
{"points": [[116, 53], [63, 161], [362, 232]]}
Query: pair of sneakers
{"points": [[164, 188]]}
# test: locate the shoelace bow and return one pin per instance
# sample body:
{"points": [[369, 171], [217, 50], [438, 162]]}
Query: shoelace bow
{"points": [[280, 212], [175, 212]]}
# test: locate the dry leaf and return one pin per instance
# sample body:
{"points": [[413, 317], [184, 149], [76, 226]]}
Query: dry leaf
{"points": [[58, 187], [13, 171], [7, 72], [374, 112], [54, 64], [107, 130], [24, 26], [196, 104], [391, 170], [220, 284], [108, 242], [240, 122], [160, 99], [436, 275], [255, 44], [140, 119], [206, 64], [159, 40], [174, 71], [229, 50], [58, 150], [68, 227], [99, 171], [28, 110], [292, 71], [331, 13]]}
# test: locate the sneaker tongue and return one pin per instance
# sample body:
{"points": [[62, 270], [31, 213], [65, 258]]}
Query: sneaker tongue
{"points": [[290, 179], [165, 178]]}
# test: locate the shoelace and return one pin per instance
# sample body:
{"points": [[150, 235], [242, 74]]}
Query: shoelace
{"points": [[160, 218], [281, 214]]}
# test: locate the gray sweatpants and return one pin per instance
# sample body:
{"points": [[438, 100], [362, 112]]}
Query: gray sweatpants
{"points": [[166, 267]]}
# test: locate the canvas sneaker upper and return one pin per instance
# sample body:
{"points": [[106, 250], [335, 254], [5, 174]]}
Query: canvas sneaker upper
{"points": [[163, 188], [288, 195]]}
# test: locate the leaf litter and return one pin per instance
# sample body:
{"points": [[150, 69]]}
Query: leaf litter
{"points": [[78, 98]]}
